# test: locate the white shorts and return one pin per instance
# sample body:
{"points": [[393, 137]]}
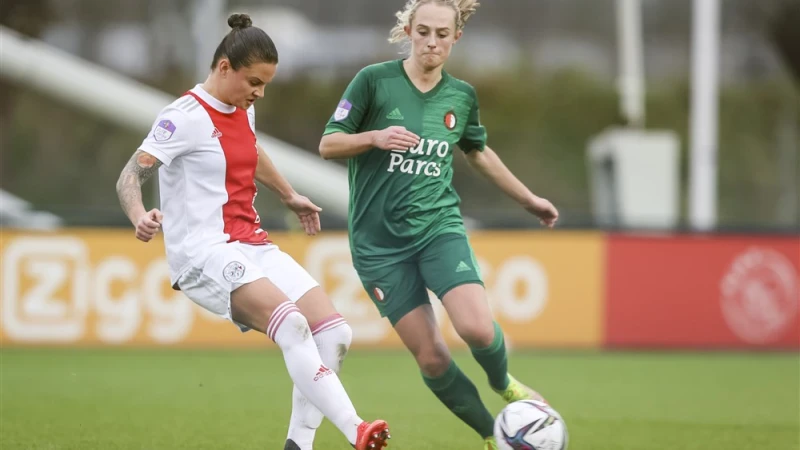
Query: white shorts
{"points": [[235, 264]]}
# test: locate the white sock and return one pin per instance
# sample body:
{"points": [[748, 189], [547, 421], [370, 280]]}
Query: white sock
{"points": [[332, 336], [319, 384]]}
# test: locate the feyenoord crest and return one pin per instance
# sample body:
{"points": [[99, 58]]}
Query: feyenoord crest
{"points": [[233, 271], [450, 120], [379, 295]]}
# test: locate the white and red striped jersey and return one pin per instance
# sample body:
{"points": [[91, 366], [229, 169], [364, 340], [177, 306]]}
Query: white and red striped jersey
{"points": [[207, 180]]}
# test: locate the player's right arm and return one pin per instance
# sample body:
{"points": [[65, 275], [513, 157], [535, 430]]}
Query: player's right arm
{"points": [[340, 145], [343, 137], [139, 169], [169, 138]]}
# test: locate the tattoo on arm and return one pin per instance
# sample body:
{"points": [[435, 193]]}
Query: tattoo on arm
{"points": [[139, 169]]}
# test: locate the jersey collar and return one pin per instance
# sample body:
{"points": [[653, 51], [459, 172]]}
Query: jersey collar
{"points": [[212, 101], [413, 87]]}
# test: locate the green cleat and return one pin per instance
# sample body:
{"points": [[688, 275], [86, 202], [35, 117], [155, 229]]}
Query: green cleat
{"points": [[489, 444], [517, 391]]}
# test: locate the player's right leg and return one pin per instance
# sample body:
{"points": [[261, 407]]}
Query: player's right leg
{"points": [[421, 335], [329, 329], [400, 295], [260, 305], [333, 336], [231, 285]]}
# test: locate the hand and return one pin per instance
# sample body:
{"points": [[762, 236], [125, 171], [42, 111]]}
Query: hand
{"points": [[306, 211], [395, 138], [544, 210], [148, 225]]}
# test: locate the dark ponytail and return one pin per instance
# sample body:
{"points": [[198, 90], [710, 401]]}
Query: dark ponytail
{"points": [[245, 44]]}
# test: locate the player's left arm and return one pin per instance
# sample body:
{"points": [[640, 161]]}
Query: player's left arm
{"points": [[488, 164], [268, 175]]}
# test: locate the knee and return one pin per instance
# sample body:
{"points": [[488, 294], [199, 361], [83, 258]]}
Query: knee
{"points": [[344, 336], [433, 360], [477, 334], [333, 337], [340, 337], [333, 331], [288, 327]]}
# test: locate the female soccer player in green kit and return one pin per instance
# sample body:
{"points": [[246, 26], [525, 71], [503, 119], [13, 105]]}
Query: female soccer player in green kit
{"points": [[398, 123]]}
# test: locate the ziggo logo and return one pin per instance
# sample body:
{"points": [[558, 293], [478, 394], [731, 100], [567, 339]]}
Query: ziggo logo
{"points": [[50, 288]]}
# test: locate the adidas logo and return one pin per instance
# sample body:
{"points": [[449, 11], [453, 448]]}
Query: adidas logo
{"points": [[395, 115], [216, 133], [463, 267], [322, 372]]}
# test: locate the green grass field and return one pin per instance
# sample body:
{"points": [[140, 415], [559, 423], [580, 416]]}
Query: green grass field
{"points": [[104, 399]]}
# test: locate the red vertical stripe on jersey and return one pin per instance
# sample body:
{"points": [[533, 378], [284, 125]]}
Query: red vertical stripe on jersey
{"points": [[241, 158]]}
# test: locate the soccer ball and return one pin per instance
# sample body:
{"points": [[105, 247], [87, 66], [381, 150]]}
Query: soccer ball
{"points": [[530, 425]]}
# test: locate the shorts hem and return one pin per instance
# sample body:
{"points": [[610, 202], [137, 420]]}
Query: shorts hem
{"points": [[440, 295], [302, 293], [396, 314]]}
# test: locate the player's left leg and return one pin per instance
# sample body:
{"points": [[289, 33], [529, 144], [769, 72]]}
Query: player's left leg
{"points": [[452, 273], [469, 312], [398, 291], [332, 335]]}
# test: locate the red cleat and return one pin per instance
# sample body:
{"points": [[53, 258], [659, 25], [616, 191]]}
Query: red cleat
{"points": [[372, 435]]}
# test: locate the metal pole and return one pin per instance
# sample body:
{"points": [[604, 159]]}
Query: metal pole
{"points": [[631, 81], [704, 115]]}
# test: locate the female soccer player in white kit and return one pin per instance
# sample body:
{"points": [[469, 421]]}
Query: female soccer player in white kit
{"points": [[204, 147]]}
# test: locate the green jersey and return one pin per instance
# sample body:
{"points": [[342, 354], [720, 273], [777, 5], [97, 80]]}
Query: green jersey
{"points": [[401, 200]]}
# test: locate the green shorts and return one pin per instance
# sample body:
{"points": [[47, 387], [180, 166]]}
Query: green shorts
{"points": [[445, 263]]}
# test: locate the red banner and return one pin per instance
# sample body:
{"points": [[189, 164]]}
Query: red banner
{"points": [[703, 291]]}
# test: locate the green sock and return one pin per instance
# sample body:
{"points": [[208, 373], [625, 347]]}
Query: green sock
{"points": [[458, 393], [494, 360]]}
